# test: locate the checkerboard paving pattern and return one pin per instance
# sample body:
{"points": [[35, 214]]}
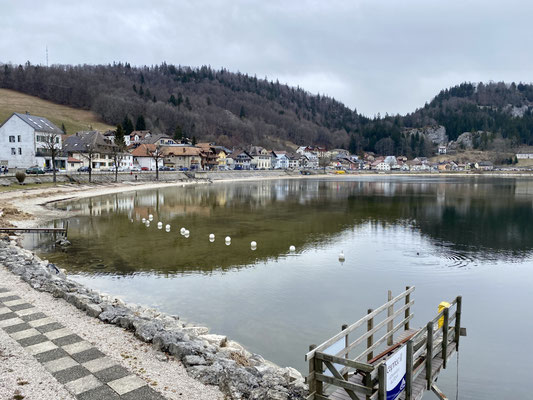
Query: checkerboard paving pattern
{"points": [[85, 371]]}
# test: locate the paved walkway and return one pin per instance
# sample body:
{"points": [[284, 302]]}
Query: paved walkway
{"points": [[85, 371]]}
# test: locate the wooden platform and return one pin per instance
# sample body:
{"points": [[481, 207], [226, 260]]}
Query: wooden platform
{"points": [[419, 384]]}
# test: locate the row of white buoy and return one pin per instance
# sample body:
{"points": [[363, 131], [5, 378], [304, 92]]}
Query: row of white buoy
{"points": [[186, 233]]}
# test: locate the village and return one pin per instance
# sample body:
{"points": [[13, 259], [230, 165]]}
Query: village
{"points": [[31, 142]]}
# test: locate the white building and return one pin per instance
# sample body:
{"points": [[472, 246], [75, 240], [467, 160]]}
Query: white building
{"points": [[24, 139], [383, 166], [281, 161]]}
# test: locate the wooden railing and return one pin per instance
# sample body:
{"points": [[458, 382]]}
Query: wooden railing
{"points": [[363, 375]]}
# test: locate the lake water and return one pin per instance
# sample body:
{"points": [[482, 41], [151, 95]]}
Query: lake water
{"points": [[469, 236]]}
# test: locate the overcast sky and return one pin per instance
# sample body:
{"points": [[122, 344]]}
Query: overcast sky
{"points": [[376, 55]]}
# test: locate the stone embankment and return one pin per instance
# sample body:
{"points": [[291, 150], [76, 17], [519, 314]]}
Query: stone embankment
{"points": [[164, 176], [212, 359]]}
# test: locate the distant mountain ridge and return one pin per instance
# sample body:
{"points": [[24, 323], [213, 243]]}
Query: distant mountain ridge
{"points": [[235, 109]]}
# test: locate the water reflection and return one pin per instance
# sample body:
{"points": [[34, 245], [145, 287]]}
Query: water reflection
{"points": [[466, 219]]}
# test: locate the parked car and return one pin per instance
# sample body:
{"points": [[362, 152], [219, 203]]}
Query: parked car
{"points": [[84, 169], [50, 170], [184, 169], [135, 169], [145, 169], [238, 167], [165, 168], [35, 170]]}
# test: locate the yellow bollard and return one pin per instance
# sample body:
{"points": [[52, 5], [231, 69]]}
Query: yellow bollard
{"points": [[442, 306]]}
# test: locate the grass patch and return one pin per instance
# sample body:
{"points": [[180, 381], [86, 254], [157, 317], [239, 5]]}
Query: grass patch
{"points": [[74, 119]]}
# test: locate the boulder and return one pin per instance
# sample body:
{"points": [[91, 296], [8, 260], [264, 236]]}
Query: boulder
{"points": [[146, 330], [162, 340]]}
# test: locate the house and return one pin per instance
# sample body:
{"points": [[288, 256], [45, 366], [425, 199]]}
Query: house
{"points": [[281, 161], [524, 156], [484, 166], [94, 149], [261, 157], [158, 140], [25, 141], [142, 157], [110, 136], [240, 159], [73, 164], [221, 153], [381, 166], [178, 157], [442, 149]]}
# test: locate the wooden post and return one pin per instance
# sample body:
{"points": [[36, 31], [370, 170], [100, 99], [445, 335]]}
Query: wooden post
{"points": [[370, 339], [429, 354], [312, 381], [458, 322], [390, 324], [382, 388], [445, 326], [409, 371], [346, 343], [408, 310]]}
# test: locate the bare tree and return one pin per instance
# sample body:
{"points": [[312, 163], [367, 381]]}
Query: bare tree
{"points": [[118, 149], [157, 155], [52, 146], [89, 153]]}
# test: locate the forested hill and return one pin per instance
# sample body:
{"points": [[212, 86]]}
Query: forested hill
{"points": [[229, 108], [237, 109]]}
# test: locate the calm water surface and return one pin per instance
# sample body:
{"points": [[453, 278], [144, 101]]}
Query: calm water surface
{"points": [[447, 236]]}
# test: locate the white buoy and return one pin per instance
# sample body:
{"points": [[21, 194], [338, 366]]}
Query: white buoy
{"points": [[292, 249], [167, 227], [211, 236], [253, 244], [186, 234], [228, 240], [341, 256], [182, 231], [159, 225], [147, 224], [143, 220], [151, 217]]}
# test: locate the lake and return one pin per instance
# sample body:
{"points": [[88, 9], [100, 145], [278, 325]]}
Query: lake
{"points": [[469, 236]]}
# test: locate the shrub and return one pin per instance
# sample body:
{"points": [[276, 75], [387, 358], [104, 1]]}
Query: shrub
{"points": [[20, 176]]}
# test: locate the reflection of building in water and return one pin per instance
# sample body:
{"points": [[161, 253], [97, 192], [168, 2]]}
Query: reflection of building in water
{"points": [[524, 188]]}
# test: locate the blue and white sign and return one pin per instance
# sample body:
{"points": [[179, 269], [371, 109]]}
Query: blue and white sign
{"points": [[396, 368]]}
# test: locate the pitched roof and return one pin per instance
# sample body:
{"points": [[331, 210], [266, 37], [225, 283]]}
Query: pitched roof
{"points": [[143, 150], [80, 141], [181, 151], [73, 160], [40, 124]]}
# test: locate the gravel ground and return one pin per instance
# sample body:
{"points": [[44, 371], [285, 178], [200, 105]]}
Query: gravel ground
{"points": [[164, 374]]}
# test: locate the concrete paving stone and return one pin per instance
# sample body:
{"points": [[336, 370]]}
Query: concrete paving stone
{"points": [[41, 348], [4, 310], [58, 333], [66, 340], [71, 374], [77, 347], [12, 301], [50, 327], [143, 393], [10, 322], [33, 317], [126, 384], [83, 385], [8, 316], [88, 355], [30, 341], [41, 322], [60, 364], [18, 326], [20, 307], [99, 364], [27, 311], [51, 355], [100, 393], [7, 299], [112, 373], [25, 334]]}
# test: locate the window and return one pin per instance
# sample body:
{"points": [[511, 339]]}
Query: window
{"points": [[12, 139], [18, 138], [20, 151], [13, 151]]}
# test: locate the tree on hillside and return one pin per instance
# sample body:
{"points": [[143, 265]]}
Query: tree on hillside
{"points": [[194, 140], [178, 134], [172, 100], [242, 113], [63, 128], [140, 125], [352, 147], [127, 125]]}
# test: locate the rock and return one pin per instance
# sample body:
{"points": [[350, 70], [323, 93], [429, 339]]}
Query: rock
{"points": [[217, 340], [194, 360], [162, 340], [161, 357], [182, 349], [93, 310], [292, 374], [146, 330], [196, 330], [111, 314], [436, 134]]}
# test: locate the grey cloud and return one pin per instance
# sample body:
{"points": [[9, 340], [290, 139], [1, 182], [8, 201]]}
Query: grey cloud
{"points": [[376, 56]]}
